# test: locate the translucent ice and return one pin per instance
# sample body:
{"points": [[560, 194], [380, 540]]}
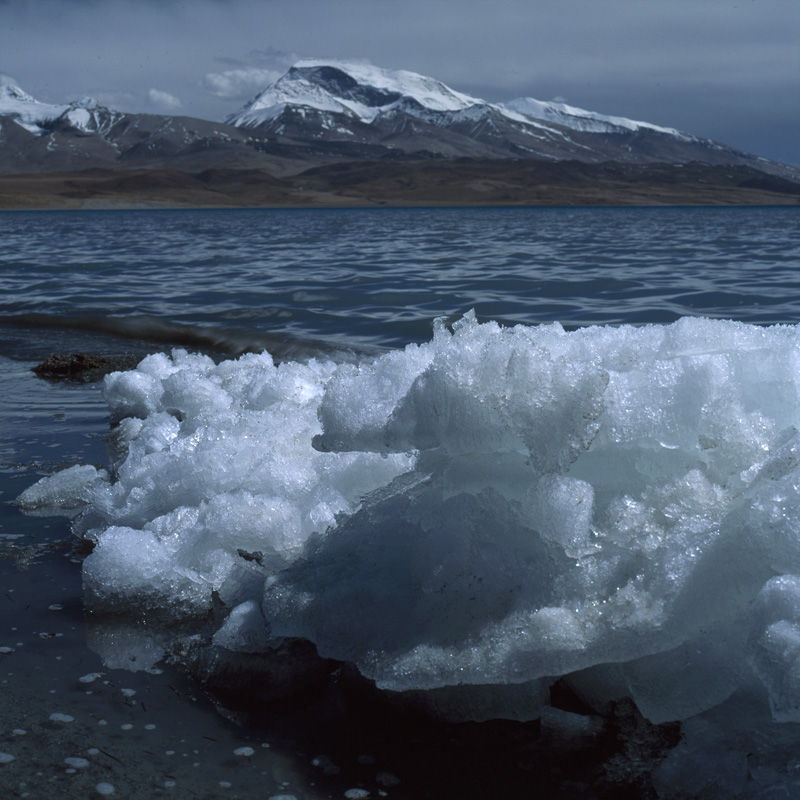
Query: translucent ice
{"points": [[496, 507], [67, 492]]}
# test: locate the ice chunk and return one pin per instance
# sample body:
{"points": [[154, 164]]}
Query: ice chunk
{"points": [[560, 510], [125, 646], [381, 383], [244, 631], [129, 563], [66, 492], [498, 507], [676, 684], [775, 645]]}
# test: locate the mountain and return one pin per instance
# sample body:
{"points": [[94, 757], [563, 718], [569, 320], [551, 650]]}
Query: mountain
{"points": [[25, 111], [85, 115], [39, 137], [320, 123], [359, 105]]}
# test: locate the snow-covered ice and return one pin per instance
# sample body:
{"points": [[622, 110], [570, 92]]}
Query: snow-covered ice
{"points": [[476, 516]]}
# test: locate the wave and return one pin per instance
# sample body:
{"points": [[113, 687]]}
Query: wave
{"points": [[224, 341]]}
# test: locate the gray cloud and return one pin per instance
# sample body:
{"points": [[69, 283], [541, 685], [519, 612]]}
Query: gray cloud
{"points": [[727, 69], [239, 84], [164, 100]]}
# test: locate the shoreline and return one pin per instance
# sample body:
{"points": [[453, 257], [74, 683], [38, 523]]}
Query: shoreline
{"points": [[467, 183]]}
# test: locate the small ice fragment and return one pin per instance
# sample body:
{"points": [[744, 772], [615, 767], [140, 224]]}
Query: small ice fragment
{"points": [[128, 692], [78, 763], [19, 731], [126, 726], [55, 607], [225, 784], [244, 751], [150, 726], [6, 649], [169, 784], [326, 765], [6, 758], [282, 797], [57, 717], [387, 779], [93, 751], [356, 794], [90, 677], [105, 788]]}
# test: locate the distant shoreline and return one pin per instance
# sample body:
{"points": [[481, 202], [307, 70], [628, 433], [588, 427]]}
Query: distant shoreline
{"points": [[373, 184]]}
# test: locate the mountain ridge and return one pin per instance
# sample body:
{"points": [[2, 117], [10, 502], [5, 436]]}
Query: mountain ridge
{"points": [[359, 103], [369, 91], [326, 113]]}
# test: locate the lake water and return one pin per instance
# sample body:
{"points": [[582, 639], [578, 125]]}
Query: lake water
{"points": [[381, 276], [298, 283]]}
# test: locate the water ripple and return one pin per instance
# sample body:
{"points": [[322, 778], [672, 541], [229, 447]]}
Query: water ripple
{"points": [[380, 276]]}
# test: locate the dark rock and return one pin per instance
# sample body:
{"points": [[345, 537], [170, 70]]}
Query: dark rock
{"points": [[82, 367]]}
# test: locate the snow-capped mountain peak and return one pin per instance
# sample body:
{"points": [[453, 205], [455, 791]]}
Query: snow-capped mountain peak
{"points": [[323, 111], [88, 102], [366, 93], [10, 94], [25, 110], [355, 89], [86, 114], [354, 105]]}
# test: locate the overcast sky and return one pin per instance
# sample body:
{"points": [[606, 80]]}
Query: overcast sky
{"points": [[723, 69]]}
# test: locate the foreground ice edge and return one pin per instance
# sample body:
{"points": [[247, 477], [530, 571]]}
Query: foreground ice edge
{"points": [[499, 506]]}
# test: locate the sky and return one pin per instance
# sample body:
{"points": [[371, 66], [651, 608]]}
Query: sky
{"points": [[727, 70]]}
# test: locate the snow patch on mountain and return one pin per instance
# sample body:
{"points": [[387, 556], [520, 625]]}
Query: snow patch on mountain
{"points": [[355, 110], [27, 111], [86, 114], [581, 120], [354, 89], [366, 93], [89, 116]]}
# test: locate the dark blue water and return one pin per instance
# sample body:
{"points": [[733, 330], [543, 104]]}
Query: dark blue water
{"points": [[381, 276]]}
